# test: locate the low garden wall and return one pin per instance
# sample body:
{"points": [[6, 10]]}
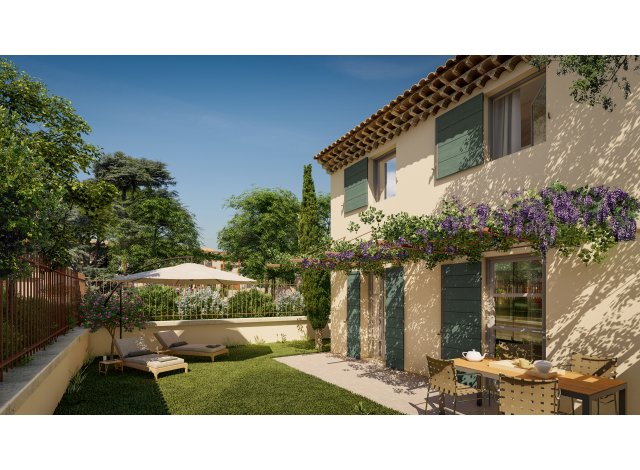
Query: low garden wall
{"points": [[37, 387], [228, 331]]}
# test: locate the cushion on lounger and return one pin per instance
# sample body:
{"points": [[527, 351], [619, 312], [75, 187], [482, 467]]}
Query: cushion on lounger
{"points": [[144, 352], [179, 343], [213, 345], [167, 337], [125, 346], [154, 360]]}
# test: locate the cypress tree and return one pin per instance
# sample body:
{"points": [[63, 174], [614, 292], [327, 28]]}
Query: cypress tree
{"points": [[316, 284]]}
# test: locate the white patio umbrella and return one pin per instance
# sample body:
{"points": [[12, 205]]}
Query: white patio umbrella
{"points": [[186, 274]]}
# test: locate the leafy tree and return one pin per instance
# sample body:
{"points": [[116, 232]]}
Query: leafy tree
{"points": [[597, 75], [42, 148], [262, 230], [152, 228], [150, 224], [131, 174], [324, 209], [316, 284]]}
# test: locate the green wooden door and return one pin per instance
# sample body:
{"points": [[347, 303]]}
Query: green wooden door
{"points": [[394, 317], [461, 309], [353, 315]]}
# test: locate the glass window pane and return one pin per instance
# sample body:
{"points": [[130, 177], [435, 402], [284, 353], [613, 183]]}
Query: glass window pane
{"points": [[529, 344], [519, 118], [519, 312], [503, 278], [518, 277], [390, 178]]}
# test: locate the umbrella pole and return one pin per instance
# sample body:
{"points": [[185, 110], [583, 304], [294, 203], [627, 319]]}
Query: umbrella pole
{"points": [[120, 310]]}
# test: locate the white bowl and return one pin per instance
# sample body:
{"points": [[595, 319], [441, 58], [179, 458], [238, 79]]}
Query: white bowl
{"points": [[542, 366]]}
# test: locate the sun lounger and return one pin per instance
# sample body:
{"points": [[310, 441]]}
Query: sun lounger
{"points": [[135, 353], [172, 344]]}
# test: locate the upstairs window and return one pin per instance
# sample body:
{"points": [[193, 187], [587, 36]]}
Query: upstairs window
{"points": [[385, 177], [518, 117]]}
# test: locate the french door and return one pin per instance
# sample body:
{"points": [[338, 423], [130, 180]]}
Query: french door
{"points": [[516, 288]]}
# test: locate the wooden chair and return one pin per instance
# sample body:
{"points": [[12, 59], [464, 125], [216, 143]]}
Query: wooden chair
{"points": [[528, 397], [600, 367], [442, 377], [509, 350]]}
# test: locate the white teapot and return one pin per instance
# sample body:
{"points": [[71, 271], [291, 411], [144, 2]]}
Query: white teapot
{"points": [[473, 355]]}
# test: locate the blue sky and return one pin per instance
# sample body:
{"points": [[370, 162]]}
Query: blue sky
{"points": [[224, 124]]}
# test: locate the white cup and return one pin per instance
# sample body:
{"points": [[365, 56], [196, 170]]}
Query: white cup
{"points": [[104, 358]]}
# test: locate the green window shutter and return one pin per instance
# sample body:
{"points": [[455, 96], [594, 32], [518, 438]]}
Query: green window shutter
{"points": [[356, 186], [394, 317], [353, 315], [459, 137]]}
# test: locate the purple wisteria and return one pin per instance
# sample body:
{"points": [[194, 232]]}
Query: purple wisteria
{"points": [[554, 217]]}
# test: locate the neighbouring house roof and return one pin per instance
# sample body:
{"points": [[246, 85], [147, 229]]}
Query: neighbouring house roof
{"points": [[458, 77], [206, 249]]}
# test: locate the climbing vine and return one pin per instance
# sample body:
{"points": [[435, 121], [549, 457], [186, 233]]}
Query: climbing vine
{"points": [[587, 221]]}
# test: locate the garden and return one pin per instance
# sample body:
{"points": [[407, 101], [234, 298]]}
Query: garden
{"points": [[249, 381]]}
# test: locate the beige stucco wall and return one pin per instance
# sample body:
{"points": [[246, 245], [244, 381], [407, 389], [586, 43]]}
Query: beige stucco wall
{"points": [[592, 309], [221, 331], [339, 312], [38, 387]]}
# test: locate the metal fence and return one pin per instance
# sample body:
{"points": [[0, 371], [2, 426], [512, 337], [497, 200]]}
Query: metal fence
{"points": [[209, 302], [36, 310]]}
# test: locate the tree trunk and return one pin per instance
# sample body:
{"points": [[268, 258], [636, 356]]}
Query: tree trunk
{"points": [[113, 337], [318, 339]]}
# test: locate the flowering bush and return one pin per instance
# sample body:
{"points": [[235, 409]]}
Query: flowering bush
{"points": [[586, 221], [199, 303], [289, 301], [94, 314]]}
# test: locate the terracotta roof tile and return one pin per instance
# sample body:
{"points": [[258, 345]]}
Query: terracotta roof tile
{"points": [[458, 77]]}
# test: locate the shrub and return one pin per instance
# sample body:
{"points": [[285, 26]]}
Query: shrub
{"points": [[288, 302], [158, 300], [251, 301], [198, 303]]}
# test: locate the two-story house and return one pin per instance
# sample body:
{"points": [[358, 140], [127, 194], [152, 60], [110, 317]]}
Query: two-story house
{"points": [[475, 128]]}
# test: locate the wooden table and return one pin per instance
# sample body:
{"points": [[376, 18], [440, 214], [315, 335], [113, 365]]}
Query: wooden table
{"points": [[103, 366], [583, 387]]}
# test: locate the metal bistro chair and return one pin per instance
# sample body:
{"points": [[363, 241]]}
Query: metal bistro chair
{"points": [[599, 367], [442, 377], [528, 397]]}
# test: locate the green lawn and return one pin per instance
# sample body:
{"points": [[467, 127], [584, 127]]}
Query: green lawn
{"points": [[250, 381]]}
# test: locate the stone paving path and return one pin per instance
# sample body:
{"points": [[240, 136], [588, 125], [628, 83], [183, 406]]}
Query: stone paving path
{"points": [[399, 390]]}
